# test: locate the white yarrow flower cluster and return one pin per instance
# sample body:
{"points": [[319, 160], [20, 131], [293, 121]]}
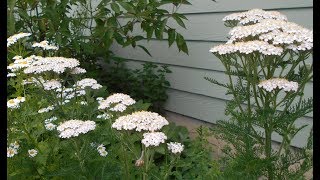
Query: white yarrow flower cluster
{"points": [[140, 121], [104, 116], [119, 101], [32, 153], [49, 120], [78, 70], [247, 48], [175, 147], [69, 93], [20, 63], [280, 83], [56, 64], [11, 75], [47, 109], [153, 138], [88, 82], [102, 150], [254, 16], [15, 103], [45, 45], [12, 149], [14, 38], [83, 103], [49, 125], [276, 32], [74, 128], [52, 84]]}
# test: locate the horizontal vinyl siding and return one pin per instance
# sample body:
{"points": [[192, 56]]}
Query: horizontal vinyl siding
{"points": [[208, 6], [190, 94], [210, 27]]}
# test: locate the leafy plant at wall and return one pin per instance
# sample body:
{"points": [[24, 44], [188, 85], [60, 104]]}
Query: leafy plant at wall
{"points": [[267, 67], [148, 83], [87, 32]]}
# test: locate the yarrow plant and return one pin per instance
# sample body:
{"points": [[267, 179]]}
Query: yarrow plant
{"points": [[267, 63], [55, 113]]}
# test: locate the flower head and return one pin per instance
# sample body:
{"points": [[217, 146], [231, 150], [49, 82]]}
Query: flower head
{"points": [[153, 138], [52, 64], [32, 153], [280, 83], [175, 147], [74, 128], [47, 109], [254, 16], [15, 103], [11, 151], [14, 38], [51, 84], [141, 120], [117, 102], [45, 45], [50, 126], [78, 70], [88, 82], [247, 48]]}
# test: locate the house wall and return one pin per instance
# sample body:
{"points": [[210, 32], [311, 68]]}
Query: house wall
{"points": [[190, 94]]}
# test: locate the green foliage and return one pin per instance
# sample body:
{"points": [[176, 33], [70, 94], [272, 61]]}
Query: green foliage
{"points": [[79, 157], [148, 84]]}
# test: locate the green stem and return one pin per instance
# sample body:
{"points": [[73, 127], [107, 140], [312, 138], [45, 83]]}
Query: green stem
{"points": [[78, 155], [268, 150]]}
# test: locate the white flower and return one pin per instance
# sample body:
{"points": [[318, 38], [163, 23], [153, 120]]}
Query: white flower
{"points": [[32, 153], [280, 83], [49, 120], [51, 84], [21, 99], [11, 151], [101, 147], [13, 103], [277, 32], [153, 138], [73, 128], [254, 16], [14, 38], [103, 153], [83, 103], [122, 100], [50, 126], [78, 70], [119, 108], [11, 74], [17, 57], [15, 145], [99, 99], [175, 147], [55, 64], [141, 120], [45, 45], [247, 48], [88, 82], [47, 109], [20, 63], [102, 150], [104, 116]]}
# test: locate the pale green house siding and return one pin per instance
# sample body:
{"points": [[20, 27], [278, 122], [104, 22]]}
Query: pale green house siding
{"points": [[190, 94]]}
